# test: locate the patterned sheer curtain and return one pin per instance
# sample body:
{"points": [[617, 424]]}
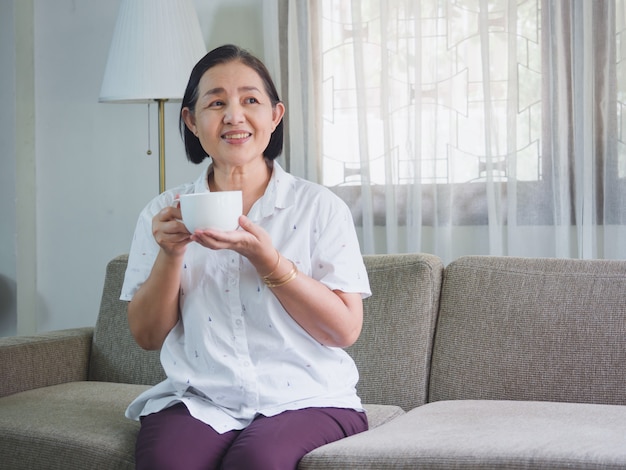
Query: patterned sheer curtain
{"points": [[461, 126]]}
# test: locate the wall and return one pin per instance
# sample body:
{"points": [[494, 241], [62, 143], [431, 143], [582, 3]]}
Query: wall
{"points": [[71, 195], [8, 171]]}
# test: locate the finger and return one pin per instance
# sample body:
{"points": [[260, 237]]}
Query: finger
{"points": [[250, 227], [175, 230], [169, 213], [171, 239], [262, 239], [208, 241], [213, 237]]}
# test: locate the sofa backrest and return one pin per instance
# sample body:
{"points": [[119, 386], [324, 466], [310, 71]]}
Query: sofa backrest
{"points": [[392, 353], [394, 349], [115, 356], [531, 329]]}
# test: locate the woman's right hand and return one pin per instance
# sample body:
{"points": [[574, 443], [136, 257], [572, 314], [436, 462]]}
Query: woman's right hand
{"points": [[153, 311], [169, 231]]}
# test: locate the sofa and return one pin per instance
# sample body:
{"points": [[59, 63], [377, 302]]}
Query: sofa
{"points": [[488, 362]]}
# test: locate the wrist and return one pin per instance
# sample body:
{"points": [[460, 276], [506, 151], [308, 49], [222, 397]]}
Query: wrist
{"points": [[274, 267], [279, 277]]}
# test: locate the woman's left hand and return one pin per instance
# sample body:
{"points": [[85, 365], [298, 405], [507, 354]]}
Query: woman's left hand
{"points": [[252, 241]]}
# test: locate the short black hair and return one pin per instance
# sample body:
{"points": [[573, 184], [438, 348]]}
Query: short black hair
{"points": [[222, 55]]}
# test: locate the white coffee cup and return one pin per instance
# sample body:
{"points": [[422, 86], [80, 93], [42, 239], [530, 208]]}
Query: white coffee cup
{"points": [[218, 210]]}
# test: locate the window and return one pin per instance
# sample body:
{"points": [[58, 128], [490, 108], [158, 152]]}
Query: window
{"points": [[424, 116], [513, 110]]}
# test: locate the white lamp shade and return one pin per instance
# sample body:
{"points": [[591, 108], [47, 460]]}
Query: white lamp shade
{"points": [[155, 45]]}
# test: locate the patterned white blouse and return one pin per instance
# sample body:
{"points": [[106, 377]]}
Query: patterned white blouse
{"points": [[236, 353]]}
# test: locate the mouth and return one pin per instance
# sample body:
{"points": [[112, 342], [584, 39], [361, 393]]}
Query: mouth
{"points": [[232, 136]]}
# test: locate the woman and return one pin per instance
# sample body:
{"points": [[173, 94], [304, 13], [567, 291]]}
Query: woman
{"points": [[251, 323]]}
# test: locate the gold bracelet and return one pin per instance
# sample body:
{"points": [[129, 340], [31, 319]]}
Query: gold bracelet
{"points": [[290, 276], [281, 278], [266, 277]]}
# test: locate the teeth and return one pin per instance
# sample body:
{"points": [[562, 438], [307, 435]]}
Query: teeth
{"points": [[243, 135]]}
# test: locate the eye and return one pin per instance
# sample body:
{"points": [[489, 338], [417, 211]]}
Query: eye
{"points": [[251, 100], [215, 104]]}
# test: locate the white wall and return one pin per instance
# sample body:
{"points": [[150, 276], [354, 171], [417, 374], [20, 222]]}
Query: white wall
{"points": [[90, 169], [8, 172]]}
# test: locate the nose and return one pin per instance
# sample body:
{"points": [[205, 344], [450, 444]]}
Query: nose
{"points": [[233, 113]]}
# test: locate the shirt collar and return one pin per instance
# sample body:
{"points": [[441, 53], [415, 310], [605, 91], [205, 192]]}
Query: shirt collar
{"points": [[279, 194]]}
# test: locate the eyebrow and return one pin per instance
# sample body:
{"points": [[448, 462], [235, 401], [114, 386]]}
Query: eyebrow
{"points": [[218, 90]]}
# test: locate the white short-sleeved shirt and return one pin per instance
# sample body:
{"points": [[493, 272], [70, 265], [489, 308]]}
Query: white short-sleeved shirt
{"points": [[236, 353]]}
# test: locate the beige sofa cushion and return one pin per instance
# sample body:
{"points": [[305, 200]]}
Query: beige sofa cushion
{"points": [[43, 359], [81, 425], [393, 351], [531, 329], [72, 426], [485, 435], [115, 356]]}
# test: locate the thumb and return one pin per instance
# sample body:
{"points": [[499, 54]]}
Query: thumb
{"points": [[253, 229], [249, 226]]}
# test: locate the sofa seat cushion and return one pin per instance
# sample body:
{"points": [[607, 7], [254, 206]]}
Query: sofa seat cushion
{"points": [[472, 434], [378, 415], [81, 425], [76, 425]]}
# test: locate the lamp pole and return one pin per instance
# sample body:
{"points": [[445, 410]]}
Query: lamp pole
{"points": [[161, 102]]}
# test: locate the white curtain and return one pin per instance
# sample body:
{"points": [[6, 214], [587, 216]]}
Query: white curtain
{"points": [[461, 126]]}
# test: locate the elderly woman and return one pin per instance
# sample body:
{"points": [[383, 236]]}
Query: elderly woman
{"points": [[251, 323]]}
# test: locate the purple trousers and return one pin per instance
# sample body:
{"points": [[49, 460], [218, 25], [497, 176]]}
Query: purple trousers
{"points": [[173, 439]]}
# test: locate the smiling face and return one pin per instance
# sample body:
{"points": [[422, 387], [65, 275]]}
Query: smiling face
{"points": [[233, 116]]}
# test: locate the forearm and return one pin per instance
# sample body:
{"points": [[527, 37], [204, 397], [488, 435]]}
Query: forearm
{"points": [[153, 311], [333, 318]]}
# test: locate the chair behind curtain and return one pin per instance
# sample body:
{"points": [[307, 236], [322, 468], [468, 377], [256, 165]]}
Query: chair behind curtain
{"points": [[462, 127]]}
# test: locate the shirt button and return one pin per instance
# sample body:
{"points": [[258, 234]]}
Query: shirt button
{"points": [[238, 322]]}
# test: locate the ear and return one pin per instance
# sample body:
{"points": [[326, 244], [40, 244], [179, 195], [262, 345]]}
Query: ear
{"points": [[190, 120], [277, 113]]}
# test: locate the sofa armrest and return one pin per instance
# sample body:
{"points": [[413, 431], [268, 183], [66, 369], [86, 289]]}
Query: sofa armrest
{"points": [[29, 362]]}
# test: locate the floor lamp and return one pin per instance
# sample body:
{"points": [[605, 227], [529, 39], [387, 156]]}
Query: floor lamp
{"points": [[155, 45]]}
